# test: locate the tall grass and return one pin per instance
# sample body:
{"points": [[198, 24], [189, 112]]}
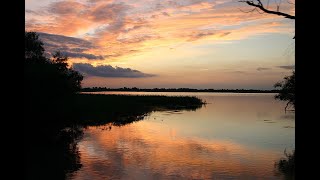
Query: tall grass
{"points": [[96, 109]]}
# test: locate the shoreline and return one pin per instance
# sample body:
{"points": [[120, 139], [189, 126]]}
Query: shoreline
{"points": [[207, 91]]}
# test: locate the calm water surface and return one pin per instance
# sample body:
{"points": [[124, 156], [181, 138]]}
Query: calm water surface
{"points": [[235, 136]]}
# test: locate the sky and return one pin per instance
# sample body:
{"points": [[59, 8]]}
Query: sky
{"points": [[168, 43]]}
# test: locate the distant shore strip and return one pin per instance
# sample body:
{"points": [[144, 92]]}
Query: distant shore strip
{"points": [[134, 89]]}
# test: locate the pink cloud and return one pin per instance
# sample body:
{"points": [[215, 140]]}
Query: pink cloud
{"points": [[119, 28]]}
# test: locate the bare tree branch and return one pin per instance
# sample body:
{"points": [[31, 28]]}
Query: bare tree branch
{"points": [[259, 11], [261, 7], [247, 11]]}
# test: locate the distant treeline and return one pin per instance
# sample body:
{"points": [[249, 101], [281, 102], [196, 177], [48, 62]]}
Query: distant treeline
{"points": [[134, 89]]}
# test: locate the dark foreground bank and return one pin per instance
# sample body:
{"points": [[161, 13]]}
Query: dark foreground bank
{"points": [[52, 130], [95, 109]]}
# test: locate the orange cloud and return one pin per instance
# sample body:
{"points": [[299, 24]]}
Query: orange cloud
{"points": [[117, 28], [129, 32]]}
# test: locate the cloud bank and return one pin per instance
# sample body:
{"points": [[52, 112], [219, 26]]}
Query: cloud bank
{"points": [[289, 67], [109, 71], [70, 46], [122, 28], [262, 69]]}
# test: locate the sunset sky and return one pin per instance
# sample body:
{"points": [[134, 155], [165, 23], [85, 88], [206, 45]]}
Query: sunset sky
{"points": [[167, 43]]}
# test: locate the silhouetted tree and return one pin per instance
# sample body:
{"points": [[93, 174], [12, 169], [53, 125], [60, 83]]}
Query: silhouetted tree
{"points": [[33, 46], [72, 78], [47, 78], [287, 90], [48, 85]]}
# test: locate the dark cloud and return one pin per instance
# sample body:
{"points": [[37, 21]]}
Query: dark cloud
{"points": [[225, 34], [113, 14], [172, 3], [287, 67], [78, 49], [65, 39], [262, 69], [82, 55], [70, 46], [204, 33], [198, 35], [109, 71], [154, 16], [116, 26], [109, 11], [31, 12], [239, 72], [136, 39], [158, 15], [39, 12], [133, 28], [134, 50], [95, 1], [176, 4], [65, 7], [165, 14], [185, 3]]}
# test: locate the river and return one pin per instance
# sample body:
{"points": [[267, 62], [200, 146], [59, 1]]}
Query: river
{"points": [[234, 136]]}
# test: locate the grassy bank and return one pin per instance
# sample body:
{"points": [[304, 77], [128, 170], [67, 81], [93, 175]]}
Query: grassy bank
{"points": [[50, 116], [96, 109]]}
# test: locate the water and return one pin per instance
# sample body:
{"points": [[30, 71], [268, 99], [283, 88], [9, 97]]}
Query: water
{"points": [[235, 136]]}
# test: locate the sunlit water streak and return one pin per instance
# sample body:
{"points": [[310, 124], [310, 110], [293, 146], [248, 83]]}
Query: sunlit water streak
{"points": [[235, 136]]}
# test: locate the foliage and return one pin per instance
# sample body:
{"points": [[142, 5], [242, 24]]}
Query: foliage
{"points": [[48, 85], [33, 46], [47, 79], [287, 90], [286, 165]]}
